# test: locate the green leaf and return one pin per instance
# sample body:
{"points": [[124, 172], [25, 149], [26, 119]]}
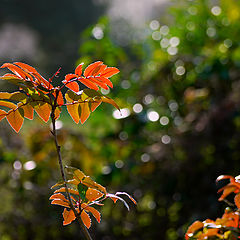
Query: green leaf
{"points": [[82, 189]]}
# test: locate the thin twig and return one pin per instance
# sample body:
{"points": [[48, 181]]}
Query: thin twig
{"points": [[58, 149]]}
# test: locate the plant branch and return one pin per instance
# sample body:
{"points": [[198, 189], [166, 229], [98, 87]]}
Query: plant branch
{"points": [[58, 149]]}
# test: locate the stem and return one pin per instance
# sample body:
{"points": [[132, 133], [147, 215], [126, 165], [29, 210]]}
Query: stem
{"points": [[58, 149]]}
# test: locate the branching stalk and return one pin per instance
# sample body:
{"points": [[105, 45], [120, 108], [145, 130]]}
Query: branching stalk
{"points": [[58, 149]]}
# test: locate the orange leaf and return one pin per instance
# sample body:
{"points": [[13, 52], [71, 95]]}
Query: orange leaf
{"points": [[225, 177], [58, 196], [60, 100], [68, 216], [15, 119], [94, 105], [85, 111], [92, 210], [60, 203], [90, 183], [86, 219], [226, 191], [2, 114], [72, 109], [43, 111], [70, 190], [78, 69], [110, 101], [8, 104], [93, 194], [193, 228], [99, 83], [57, 113], [237, 200], [73, 86], [109, 72], [40, 80], [88, 83], [88, 71], [16, 70], [28, 111], [105, 80]]}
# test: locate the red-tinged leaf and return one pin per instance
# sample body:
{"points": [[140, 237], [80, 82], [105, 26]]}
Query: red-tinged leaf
{"points": [[28, 111], [93, 211], [88, 83], [99, 70], [69, 77], [60, 203], [63, 189], [73, 86], [109, 72], [105, 80], [78, 69], [58, 196], [99, 83], [237, 200], [85, 111], [16, 70], [43, 111], [94, 105], [15, 119], [93, 194], [197, 225], [8, 104], [86, 219], [110, 101], [225, 177], [10, 76], [34, 72], [72, 109], [60, 100], [88, 71], [68, 216]]}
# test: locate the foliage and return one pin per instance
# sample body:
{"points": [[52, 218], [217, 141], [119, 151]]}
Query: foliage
{"points": [[36, 93], [85, 193], [226, 227]]}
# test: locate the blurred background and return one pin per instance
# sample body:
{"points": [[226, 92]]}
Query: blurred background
{"points": [[179, 91]]}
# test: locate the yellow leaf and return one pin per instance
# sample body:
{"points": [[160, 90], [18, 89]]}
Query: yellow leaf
{"points": [[73, 111], [28, 111], [15, 119], [110, 101], [85, 111], [79, 174], [43, 111], [8, 104]]}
